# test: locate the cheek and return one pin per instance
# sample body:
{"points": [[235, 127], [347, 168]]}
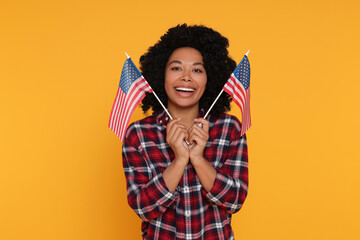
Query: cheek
{"points": [[167, 84], [167, 79], [167, 87], [170, 77], [203, 82]]}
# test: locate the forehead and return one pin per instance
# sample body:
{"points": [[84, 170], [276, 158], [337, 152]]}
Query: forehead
{"points": [[186, 54]]}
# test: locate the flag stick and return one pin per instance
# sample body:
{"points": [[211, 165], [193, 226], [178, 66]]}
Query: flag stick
{"points": [[157, 97], [212, 105], [162, 105]]}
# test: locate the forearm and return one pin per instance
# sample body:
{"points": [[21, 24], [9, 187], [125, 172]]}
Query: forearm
{"points": [[173, 173], [227, 192], [206, 173], [151, 199]]}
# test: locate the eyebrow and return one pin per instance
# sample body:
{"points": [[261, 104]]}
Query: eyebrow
{"points": [[179, 62]]}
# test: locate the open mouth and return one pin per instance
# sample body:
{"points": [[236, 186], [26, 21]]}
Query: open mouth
{"points": [[181, 89]]}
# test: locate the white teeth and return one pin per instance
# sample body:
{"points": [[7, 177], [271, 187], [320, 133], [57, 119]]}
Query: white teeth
{"points": [[185, 89]]}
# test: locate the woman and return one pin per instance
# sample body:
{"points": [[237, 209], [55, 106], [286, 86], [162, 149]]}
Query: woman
{"points": [[186, 176]]}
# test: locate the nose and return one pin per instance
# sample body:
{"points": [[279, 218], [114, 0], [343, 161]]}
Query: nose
{"points": [[186, 76]]}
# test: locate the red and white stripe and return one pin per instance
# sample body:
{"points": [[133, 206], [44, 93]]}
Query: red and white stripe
{"points": [[125, 104], [242, 98]]}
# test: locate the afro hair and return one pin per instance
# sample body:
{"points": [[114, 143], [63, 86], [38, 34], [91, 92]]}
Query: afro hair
{"points": [[218, 65]]}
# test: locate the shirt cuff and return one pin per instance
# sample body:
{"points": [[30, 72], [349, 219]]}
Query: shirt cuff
{"points": [[220, 190], [159, 192]]}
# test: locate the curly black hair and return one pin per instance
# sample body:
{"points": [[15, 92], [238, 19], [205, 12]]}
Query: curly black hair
{"points": [[218, 65]]}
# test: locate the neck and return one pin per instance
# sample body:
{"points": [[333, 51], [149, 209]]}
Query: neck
{"points": [[187, 115]]}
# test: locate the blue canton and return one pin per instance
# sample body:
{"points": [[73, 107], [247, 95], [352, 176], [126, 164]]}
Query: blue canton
{"points": [[242, 72], [129, 74]]}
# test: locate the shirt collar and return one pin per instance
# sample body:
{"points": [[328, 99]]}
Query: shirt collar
{"points": [[163, 119], [202, 113]]}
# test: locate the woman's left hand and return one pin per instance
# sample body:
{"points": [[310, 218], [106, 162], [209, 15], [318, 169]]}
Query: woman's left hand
{"points": [[198, 136]]}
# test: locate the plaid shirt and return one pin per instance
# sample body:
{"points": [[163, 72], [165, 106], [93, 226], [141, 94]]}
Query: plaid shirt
{"points": [[190, 212]]}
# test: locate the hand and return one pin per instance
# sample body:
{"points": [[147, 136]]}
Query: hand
{"points": [[176, 134], [198, 136]]}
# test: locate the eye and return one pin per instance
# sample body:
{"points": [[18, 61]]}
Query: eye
{"points": [[198, 70], [175, 68]]}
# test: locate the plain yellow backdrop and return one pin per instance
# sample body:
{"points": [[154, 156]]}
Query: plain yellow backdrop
{"points": [[61, 173]]}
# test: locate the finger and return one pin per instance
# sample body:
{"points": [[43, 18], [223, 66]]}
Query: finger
{"points": [[196, 129], [180, 141], [199, 132], [199, 140], [196, 125], [179, 135], [173, 125], [177, 143], [174, 128], [172, 122], [205, 123]]}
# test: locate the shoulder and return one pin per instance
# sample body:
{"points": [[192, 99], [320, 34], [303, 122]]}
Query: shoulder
{"points": [[142, 123], [225, 126], [138, 130], [226, 120]]}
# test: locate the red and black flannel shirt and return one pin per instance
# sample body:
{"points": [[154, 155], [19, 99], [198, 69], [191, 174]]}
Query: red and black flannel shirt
{"points": [[190, 212]]}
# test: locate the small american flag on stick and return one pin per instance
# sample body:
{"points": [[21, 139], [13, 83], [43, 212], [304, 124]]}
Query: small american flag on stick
{"points": [[238, 87], [131, 91]]}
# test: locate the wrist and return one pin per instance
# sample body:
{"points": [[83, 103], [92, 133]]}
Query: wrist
{"points": [[180, 162], [197, 161]]}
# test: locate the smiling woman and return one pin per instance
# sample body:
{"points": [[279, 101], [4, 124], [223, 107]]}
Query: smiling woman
{"points": [[217, 64], [185, 82], [185, 191]]}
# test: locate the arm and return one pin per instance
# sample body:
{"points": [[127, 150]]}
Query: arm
{"points": [[147, 193], [199, 134], [150, 195], [175, 135], [231, 184], [225, 186]]}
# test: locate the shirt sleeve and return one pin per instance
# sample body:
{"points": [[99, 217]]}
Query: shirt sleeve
{"points": [[231, 183], [147, 192]]}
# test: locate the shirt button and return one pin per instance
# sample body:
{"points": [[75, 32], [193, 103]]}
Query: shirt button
{"points": [[160, 121], [187, 213], [186, 188], [166, 118]]}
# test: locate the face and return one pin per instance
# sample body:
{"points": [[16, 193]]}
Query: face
{"points": [[185, 78]]}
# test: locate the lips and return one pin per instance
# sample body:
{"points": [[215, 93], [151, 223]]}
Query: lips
{"points": [[184, 91]]}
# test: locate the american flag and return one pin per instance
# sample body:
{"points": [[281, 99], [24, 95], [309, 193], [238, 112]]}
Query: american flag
{"points": [[238, 86], [132, 89]]}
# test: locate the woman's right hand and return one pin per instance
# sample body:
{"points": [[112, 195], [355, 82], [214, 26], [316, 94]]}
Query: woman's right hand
{"points": [[176, 134]]}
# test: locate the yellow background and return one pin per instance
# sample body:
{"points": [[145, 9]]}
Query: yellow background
{"points": [[61, 173]]}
